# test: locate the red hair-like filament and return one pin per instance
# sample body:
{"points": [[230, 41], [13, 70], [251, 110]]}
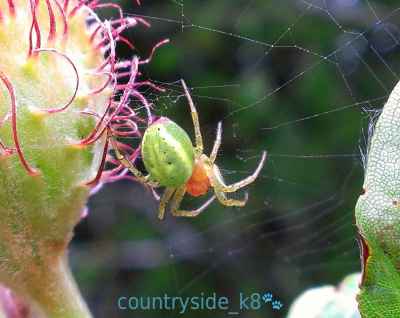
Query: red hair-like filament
{"points": [[11, 92]]}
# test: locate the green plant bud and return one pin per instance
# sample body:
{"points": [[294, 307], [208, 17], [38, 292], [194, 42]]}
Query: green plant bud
{"points": [[57, 84]]}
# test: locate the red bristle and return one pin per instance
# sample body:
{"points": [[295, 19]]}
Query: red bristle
{"points": [[11, 91]]}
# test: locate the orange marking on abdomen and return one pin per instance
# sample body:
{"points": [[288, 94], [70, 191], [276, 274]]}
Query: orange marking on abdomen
{"points": [[199, 183]]}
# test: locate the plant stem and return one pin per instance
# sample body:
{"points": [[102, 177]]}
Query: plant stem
{"points": [[57, 294]]}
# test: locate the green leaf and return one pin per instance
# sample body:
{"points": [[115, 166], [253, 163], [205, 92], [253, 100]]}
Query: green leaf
{"points": [[380, 291], [378, 217]]}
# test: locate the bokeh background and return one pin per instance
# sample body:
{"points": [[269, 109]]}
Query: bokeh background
{"points": [[304, 80]]}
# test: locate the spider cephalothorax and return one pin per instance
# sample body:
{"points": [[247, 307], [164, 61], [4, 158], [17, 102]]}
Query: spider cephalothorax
{"points": [[199, 182], [174, 163]]}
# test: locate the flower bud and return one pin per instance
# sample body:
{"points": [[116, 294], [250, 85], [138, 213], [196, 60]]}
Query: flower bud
{"points": [[59, 78]]}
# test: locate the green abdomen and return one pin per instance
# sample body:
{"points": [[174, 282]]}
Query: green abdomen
{"points": [[167, 153]]}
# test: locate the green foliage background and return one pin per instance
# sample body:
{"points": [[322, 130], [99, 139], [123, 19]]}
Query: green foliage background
{"points": [[297, 230]]}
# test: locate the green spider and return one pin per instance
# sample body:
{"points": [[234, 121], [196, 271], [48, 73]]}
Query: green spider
{"points": [[174, 163]]}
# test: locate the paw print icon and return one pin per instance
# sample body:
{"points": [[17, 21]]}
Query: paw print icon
{"points": [[267, 297], [276, 305]]}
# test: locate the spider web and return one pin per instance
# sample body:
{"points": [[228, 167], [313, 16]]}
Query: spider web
{"points": [[304, 80]]}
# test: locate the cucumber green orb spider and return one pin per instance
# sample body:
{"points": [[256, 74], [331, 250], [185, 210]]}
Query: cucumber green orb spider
{"points": [[173, 162]]}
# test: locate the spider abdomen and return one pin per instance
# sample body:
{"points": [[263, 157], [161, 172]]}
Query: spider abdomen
{"points": [[167, 153]]}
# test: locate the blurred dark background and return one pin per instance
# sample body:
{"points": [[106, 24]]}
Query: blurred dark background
{"points": [[302, 79]]}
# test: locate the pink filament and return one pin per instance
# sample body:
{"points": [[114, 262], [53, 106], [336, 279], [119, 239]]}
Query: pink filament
{"points": [[63, 16], [34, 27], [118, 119], [120, 106], [11, 7], [101, 167], [11, 91], [52, 21], [110, 78], [155, 47], [66, 2], [55, 51]]}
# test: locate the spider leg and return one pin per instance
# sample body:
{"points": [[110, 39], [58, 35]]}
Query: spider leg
{"points": [[128, 164], [217, 182], [195, 119], [230, 202], [217, 143], [164, 201], [176, 202], [240, 184]]}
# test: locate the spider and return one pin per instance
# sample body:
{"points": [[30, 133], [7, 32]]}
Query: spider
{"points": [[174, 163]]}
